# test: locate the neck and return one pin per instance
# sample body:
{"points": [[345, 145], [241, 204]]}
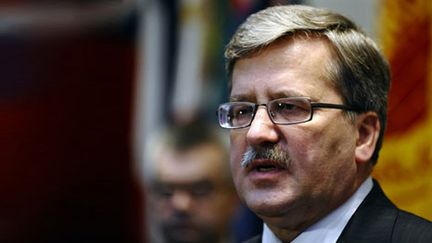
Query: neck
{"points": [[286, 229], [293, 223]]}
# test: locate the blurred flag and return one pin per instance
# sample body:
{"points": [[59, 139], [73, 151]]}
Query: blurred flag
{"points": [[405, 166]]}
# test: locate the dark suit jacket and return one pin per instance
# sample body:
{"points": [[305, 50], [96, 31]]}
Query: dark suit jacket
{"points": [[378, 220]]}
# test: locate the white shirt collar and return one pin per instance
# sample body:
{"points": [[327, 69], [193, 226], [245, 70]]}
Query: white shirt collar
{"points": [[329, 228]]}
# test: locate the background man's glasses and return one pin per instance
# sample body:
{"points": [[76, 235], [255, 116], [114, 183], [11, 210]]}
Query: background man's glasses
{"points": [[284, 111]]}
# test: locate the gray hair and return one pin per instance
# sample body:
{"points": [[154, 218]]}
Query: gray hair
{"points": [[359, 71]]}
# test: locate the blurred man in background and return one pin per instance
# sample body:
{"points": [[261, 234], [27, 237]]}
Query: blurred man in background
{"points": [[190, 190]]}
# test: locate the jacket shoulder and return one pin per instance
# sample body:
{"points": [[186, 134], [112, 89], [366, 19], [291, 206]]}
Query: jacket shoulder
{"points": [[378, 220], [411, 228]]}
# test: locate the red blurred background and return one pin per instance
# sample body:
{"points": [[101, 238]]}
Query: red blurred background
{"points": [[67, 74]]}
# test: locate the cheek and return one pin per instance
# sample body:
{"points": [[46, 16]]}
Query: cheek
{"points": [[235, 167], [216, 209], [309, 149], [300, 143], [323, 151], [160, 210], [238, 147], [211, 213]]}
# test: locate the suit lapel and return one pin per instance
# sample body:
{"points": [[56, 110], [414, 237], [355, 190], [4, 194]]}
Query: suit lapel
{"points": [[373, 221]]}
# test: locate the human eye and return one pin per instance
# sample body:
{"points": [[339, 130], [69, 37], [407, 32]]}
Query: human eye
{"points": [[163, 191], [240, 113], [289, 110], [201, 189], [285, 106]]}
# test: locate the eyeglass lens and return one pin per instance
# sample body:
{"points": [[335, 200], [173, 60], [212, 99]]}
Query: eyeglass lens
{"points": [[281, 111]]}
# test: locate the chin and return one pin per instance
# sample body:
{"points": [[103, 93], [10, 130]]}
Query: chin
{"points": [[269, 203], [268, 210]]}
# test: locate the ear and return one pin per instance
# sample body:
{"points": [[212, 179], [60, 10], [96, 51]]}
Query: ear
{"points": [[368, 128]]}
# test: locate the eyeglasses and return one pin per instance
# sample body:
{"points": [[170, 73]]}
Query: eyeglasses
{"points": [[284, 111]]}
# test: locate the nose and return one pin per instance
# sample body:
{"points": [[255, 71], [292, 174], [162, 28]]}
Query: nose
{"points": [[181, 200], [262, 130]]}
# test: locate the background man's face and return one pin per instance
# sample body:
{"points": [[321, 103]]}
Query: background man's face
{"points": [[322, 165], [192, 201]]}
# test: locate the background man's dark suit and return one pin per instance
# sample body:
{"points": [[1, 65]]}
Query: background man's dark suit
{"points": [[379, 220]]}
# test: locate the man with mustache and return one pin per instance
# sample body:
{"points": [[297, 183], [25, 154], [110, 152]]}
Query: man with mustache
{"points": [[307, 113]]}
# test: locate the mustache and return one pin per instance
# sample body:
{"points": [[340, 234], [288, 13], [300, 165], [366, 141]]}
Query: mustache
{"points": [[273, 153]]}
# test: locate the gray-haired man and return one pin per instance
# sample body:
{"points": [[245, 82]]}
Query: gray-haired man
{"points": [[307, 113]]}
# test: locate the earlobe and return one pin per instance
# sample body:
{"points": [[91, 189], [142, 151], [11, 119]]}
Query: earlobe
{"points": [[368, 128]]}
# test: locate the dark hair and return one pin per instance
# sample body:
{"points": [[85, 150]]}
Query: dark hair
{"points": [[189, 135], [184, 137]]}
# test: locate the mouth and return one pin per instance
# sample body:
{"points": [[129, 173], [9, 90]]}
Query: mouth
{"points": [[266, 166]]}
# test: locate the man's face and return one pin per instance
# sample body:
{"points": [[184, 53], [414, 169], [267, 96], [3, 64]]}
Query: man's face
{"points": [[321, 166], [191, 199]]}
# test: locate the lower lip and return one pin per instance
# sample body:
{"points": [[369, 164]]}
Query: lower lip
{"points": [[266, 176]]}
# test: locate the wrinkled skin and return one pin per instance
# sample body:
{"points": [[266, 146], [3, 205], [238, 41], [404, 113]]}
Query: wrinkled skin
{"points": [[326, 164]]}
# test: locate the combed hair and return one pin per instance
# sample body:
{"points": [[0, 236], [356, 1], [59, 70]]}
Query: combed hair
{"points": [[360, 71]]}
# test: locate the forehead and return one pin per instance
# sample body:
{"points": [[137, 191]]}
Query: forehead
{"points": [[288, 67], [204, 162]]}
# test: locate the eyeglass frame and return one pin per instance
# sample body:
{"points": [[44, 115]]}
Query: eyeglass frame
{"points": [[313, 105]]}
